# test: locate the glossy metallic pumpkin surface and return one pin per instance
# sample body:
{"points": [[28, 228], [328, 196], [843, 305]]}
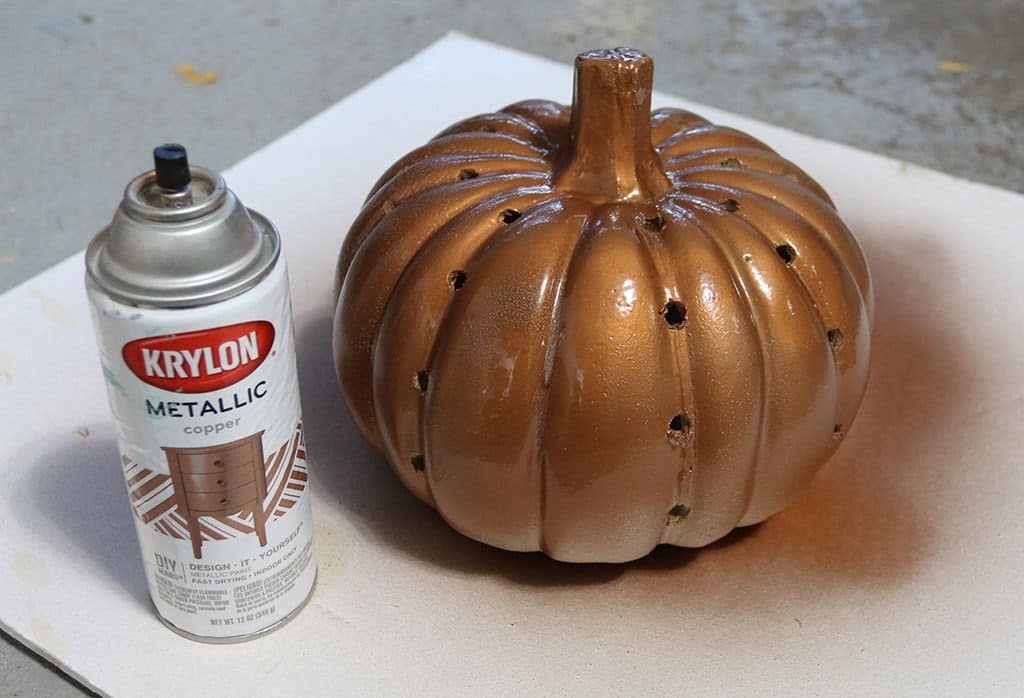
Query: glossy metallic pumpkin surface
{"points": [[591, 330]]}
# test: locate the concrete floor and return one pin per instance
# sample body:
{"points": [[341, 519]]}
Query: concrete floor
{"points": [[88, 90]]}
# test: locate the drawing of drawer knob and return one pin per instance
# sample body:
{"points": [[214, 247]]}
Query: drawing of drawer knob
{"points": [[219, 481], [224, 501], [216, 460]]}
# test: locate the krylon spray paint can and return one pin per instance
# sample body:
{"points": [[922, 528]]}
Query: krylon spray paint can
{"points": [[189, 298]]}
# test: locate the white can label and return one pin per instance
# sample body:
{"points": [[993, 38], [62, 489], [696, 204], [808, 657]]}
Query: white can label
{"points": [[209, 425]]}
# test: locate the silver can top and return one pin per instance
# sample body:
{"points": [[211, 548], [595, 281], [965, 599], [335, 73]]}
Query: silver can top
{"points": [[181, 238]]}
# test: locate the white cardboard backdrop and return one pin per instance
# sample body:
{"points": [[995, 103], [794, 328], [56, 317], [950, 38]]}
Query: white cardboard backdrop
{"points": [[900, 572]]}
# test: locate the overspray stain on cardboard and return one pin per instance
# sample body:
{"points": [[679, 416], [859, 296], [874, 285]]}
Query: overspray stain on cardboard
{"points": [[6, 368], [33, 572], [30, 569], [52, 310]]}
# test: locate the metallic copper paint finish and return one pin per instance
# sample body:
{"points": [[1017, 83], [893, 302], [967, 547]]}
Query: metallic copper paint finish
{"points": [[591, 330]]}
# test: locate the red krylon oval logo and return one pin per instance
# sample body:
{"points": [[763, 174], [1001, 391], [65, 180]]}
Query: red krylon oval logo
{"points": [[201, 361]]}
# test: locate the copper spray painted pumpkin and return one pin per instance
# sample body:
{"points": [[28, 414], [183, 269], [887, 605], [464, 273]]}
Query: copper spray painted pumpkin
{"points": [[591, 330]]}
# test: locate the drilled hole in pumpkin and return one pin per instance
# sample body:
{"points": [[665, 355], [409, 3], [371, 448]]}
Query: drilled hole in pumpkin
{"points": [[787, 253], [456, 279], [837, 431], [835, 338], [653, 224], [748, 258], [510, 215], [730, 205], [468, 174], [731, 162], [674, 313], [680, 429], [221, 483], [679, 511], [421, 380], [489, 129], [418, 463]]}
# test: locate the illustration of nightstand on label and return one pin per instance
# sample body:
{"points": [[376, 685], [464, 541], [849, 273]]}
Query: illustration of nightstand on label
{"points": [[219, 481]]}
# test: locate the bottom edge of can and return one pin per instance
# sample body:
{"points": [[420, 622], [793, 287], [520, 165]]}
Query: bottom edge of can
{"points": [[235, 639]]}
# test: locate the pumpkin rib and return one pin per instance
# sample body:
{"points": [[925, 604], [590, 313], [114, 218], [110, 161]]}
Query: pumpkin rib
{"points": [[423, 405], [836, 237], [661, 274], [368, 219], [810, 207], [405, 329], [702, 526], [812, 305], [461, 143], [443, 171], [454, 507], [655, 250], [411, 177], [745, 158], [550, 117], [853, 308], [806, 293], [816, 428], [668, 121], [697, 173], [387, 247], [601, 465], [741, 285], [493, 205], [550, 353], [824, 233], [828, 316], [705, 138], [776, 473], [495, 122], [554, 335]]}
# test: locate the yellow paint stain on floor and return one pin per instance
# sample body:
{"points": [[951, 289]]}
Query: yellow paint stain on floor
{"points": [[189, 72], [953, 67]]}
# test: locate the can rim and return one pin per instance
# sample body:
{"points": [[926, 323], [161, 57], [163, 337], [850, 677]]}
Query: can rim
{"points": [[135, 203]]}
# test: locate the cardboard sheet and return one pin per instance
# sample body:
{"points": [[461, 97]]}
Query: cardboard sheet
{"points": [[900, 572]]}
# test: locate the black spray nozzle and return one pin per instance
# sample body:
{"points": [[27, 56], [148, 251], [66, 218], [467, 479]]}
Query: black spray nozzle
{"points": [[171, 162]]}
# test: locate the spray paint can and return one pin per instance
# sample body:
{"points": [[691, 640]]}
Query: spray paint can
{"points": [[189, 297]]}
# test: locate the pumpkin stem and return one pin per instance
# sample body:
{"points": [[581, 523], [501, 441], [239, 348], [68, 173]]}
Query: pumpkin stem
{"points": [[611, 155]]}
